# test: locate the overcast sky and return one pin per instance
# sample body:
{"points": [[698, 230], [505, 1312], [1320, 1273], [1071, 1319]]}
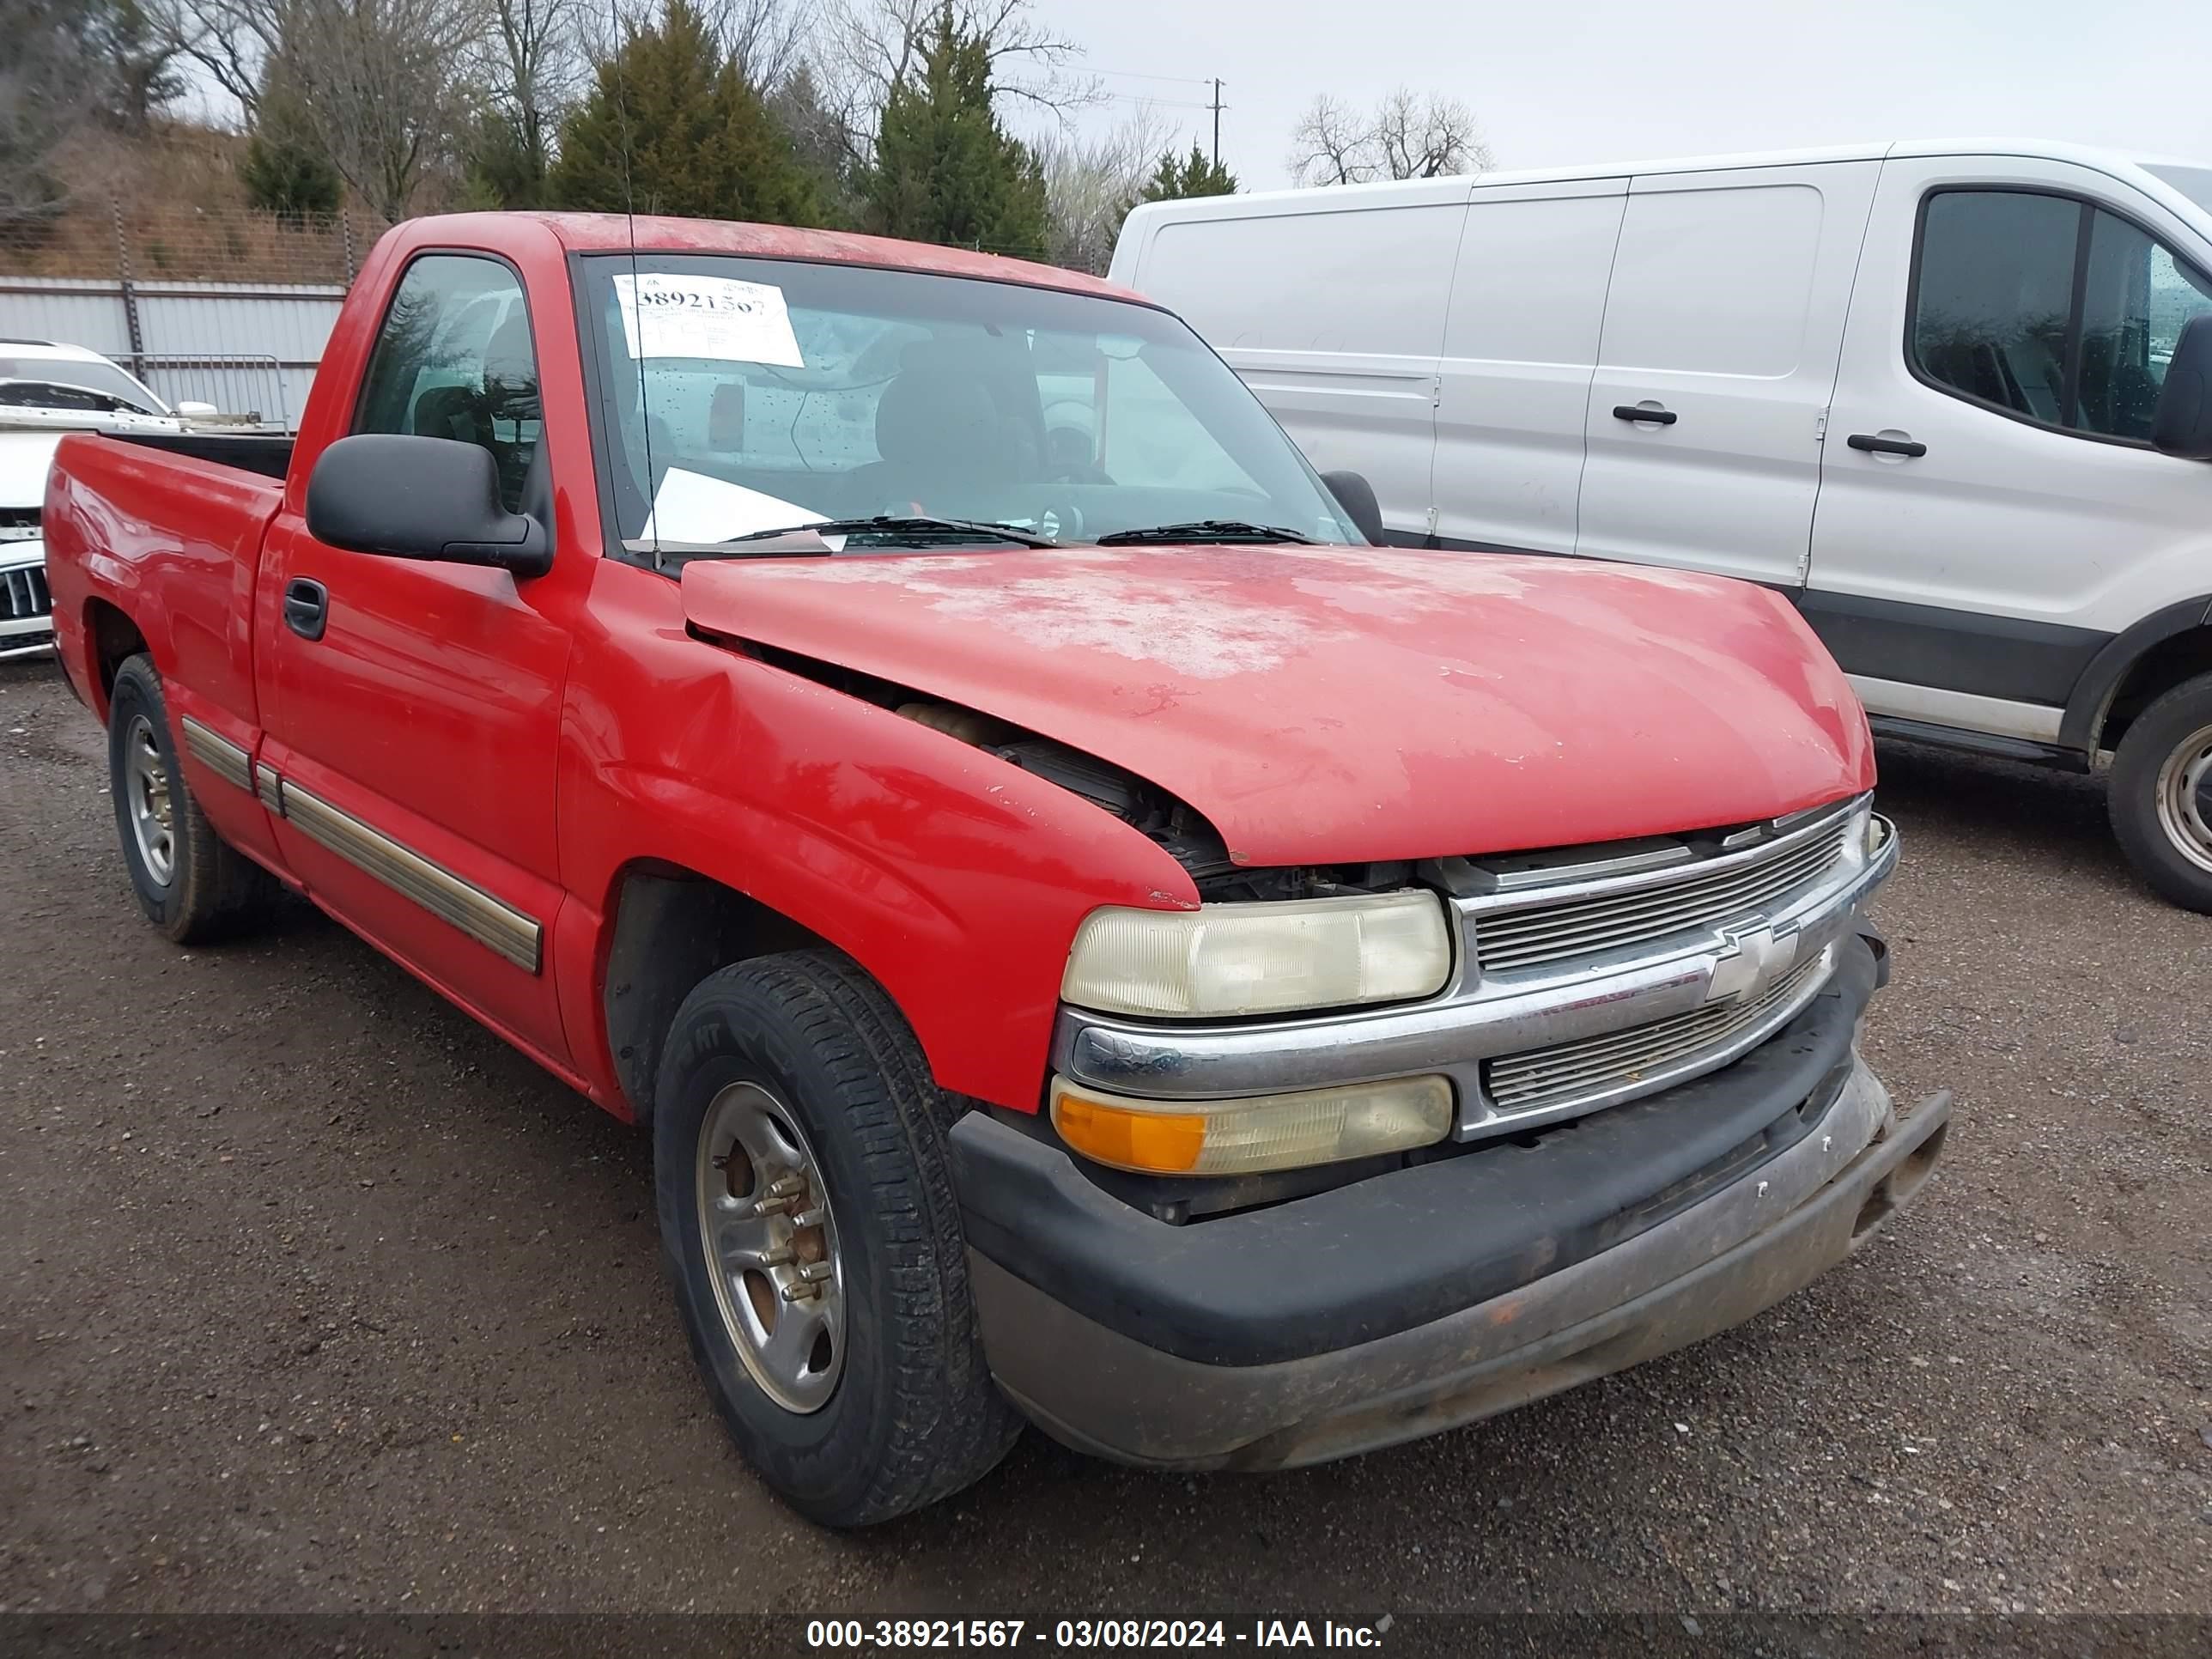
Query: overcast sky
{"points": [[1625, 80]]}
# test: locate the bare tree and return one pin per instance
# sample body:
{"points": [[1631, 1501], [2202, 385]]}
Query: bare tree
{"points": [[1430, 137], [1331, 144], [862, 49], [1403, 136], [766, 38], [1090, 186], [381, 83], [531, 61]]}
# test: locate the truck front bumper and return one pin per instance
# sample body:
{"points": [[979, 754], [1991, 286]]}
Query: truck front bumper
{"points": [[1429, 1297]]}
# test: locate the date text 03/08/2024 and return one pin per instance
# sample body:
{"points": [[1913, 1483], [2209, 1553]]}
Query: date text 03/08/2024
{"points": [[1085, 1633]]}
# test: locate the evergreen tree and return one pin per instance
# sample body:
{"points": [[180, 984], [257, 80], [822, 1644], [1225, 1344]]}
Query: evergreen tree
{"points": [[504, 168], [1194, 174], [285, 171], [945, 169], [819, 144], [671, 127]]}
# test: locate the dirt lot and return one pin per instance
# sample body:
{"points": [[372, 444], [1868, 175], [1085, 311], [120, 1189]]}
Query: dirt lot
{"points": [[314, 1296]]}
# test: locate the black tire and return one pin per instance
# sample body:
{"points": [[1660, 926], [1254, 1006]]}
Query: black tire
{"points": [[2158, 832], [208, 889], [913, 1415]]}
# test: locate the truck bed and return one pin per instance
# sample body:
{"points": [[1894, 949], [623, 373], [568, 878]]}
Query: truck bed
{"points": [[266, 453]]}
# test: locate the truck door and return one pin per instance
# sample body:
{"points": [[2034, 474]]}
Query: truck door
{"points": [[1520, 347], [1722, 322], [1991, 510], [414, 706]]}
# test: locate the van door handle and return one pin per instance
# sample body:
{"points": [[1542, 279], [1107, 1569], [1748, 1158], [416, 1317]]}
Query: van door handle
{"points": [[306, 607], [1636, 412], [1873, 446]]}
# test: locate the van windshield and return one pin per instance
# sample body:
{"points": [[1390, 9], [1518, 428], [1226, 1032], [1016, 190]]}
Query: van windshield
{"points": [[742, 396]]}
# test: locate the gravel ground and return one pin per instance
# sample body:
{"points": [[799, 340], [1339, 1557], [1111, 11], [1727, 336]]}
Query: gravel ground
{"points": [[314, 1297]]}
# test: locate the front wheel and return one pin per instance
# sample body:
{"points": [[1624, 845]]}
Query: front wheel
{"points": [[811, 1233], [2161, 794]]}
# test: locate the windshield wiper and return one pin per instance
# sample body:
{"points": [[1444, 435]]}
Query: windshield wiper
{"points": [[916, 528], [1204, 530]]}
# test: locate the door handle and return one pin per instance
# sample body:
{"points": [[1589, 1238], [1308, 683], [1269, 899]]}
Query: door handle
{"points": [[1872, 445], [306, 607], [1656, 417]]}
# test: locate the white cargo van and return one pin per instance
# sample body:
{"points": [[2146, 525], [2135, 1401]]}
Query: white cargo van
{"points": [[1917, 387]]}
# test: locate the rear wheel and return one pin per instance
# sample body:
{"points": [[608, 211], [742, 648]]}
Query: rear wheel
{"points": [[190, 884], [810, 1234], [2162, 793]]}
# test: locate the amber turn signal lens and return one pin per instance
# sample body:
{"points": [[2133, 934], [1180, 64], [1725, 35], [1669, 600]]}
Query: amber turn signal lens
{"points": [[1257, 1133], [1167, 1142]]}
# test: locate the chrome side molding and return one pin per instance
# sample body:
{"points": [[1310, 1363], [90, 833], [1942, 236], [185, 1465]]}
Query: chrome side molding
{"points": [[218, 754], [497, 927]]}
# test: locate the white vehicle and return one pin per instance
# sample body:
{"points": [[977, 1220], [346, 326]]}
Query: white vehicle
{"points": [[46, 389], [1918, 387]]}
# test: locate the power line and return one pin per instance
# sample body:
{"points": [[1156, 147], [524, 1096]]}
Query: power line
{"points": [[1151, 102], [1135, 75]]}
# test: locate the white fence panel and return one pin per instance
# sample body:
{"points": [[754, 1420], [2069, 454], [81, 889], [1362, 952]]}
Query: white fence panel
{"points": [[85, 311], [192, 336]]}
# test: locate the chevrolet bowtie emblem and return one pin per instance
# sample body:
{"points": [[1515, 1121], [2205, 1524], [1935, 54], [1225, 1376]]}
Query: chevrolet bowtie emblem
{"points": [[1754, 959]]}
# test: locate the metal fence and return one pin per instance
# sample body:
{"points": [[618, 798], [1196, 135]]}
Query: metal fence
{"points": [[231, 308]]}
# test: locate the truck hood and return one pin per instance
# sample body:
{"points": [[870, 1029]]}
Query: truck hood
{"points": [[1332, 704]]}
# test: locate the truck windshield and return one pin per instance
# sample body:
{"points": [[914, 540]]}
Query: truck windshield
{"points": [[742, 396]]}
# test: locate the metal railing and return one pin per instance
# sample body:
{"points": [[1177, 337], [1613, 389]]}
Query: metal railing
{"points": [[248, 388]]}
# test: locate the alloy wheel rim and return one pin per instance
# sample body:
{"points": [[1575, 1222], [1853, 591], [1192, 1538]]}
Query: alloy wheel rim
{"points": [[771, 1247], [2185, 797], [146, 795]]}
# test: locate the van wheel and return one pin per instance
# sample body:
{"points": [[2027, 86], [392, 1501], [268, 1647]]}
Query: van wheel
{"points": [[190, 883], [810, 1231], [2161, 794]]}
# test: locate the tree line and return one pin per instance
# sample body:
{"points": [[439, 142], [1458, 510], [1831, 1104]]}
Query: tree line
{"points": [[889, 116]]}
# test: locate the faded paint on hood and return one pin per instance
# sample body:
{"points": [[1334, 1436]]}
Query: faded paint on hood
{"points": [[1332, 704]]}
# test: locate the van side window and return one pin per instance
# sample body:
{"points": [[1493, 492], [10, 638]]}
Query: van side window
{"points": [[2048, 308], [454, 360]]}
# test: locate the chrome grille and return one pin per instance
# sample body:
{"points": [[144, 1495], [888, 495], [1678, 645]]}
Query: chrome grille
{"points": [[1592, 1067], [19, 524], [23, 594], [1694, 899]]}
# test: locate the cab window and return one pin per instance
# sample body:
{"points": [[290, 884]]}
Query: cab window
{"points": [[454, 360], [2049, 308]]}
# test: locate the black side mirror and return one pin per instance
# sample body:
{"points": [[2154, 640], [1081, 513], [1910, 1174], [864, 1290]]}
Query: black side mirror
{"points": [[2181, 425], [421, 498], [1357, 497]]}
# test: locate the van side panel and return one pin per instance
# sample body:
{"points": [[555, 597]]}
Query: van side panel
{"points": [[1726, 311], [1334, 317], [1520, 340]]}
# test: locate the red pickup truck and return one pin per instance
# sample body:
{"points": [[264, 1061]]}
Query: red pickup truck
{"points": [[1093, 937]]}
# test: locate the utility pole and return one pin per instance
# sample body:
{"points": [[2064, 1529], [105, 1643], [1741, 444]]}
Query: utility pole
{"points": [[1216, 107]]}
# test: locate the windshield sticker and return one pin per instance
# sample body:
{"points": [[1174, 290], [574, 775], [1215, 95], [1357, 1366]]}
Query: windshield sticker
{"points": [[692, 507], [720, 317]]}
